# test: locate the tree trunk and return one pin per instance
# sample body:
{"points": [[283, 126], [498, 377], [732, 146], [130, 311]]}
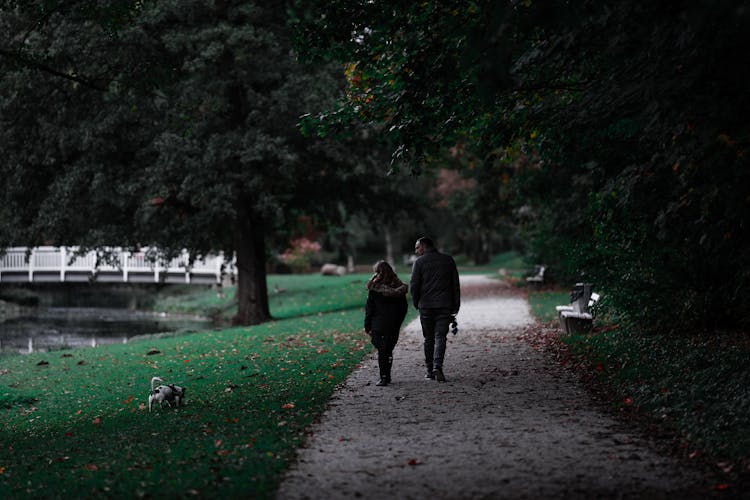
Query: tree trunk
{"points": [[389, 246], [481, 247], [252, 291]]}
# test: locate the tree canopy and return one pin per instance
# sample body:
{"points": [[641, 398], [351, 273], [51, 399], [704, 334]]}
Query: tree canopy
{"points": [[619, 131], [171, 124]]}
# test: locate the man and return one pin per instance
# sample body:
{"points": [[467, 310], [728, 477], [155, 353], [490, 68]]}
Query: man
{"points": [[435, 292]]}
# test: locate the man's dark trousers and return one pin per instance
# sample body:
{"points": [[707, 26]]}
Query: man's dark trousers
{"points": [[435, 324]]}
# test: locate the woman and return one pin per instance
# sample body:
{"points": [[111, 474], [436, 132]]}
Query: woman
{"points": [[385, 311]]}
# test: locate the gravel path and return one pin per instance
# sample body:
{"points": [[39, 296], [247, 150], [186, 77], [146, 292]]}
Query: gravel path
{"points": [[507, 424]]}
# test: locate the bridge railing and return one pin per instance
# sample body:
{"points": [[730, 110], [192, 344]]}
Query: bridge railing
{"points": [[63, 264]]}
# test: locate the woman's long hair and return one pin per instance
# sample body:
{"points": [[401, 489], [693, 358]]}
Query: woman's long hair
{"points": [[384, 273]]}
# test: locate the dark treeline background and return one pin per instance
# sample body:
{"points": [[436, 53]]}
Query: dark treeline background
{"points": [[609, 140]]}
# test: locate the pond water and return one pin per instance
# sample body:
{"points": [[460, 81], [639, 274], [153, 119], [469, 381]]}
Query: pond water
{"points": [[55, 328]]}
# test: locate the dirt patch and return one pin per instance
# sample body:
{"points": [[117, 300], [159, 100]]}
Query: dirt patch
{"points": [[507, 424]]}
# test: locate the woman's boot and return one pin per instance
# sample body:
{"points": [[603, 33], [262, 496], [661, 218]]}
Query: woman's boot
{"points": [[384, 368]]}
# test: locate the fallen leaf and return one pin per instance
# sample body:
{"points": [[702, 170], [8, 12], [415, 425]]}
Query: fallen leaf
{"points": [[96, 421], [721, 486], [142, 406], [223, 453], [217, 443], [628, 401], [288, 406], [128, 400], [2, 470], [91, 467], [725, 466]]}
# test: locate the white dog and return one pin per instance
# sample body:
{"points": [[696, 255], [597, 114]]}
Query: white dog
{"points": [[165, 394]]}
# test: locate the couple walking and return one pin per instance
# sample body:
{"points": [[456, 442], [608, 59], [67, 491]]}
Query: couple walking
{"points": [[434, 292]]}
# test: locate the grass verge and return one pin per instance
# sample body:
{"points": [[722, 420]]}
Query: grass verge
{"points": [[75, 423], [695, 387], [289, 295]]}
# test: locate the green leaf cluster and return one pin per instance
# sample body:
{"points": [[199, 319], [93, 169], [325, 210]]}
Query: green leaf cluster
{"points": [[620, 129]]}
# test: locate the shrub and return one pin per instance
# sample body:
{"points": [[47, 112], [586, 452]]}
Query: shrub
{"points": [[300, 255]]}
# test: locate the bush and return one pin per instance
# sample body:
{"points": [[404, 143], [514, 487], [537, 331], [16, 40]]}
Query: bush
{"points": [[301, 254]]}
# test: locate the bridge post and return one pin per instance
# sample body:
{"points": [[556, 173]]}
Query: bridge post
{"points": [[31, 265], [186, 259], [62, 263], [124, 258]]}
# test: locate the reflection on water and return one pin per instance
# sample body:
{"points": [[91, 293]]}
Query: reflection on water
{"points": [[57, 328]]}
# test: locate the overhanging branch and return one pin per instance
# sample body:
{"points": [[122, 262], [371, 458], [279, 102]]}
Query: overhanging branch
{"points": [[47, 69]]}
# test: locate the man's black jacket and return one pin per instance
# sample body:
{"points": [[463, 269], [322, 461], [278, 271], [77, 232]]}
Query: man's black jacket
{"points": [[434, 282]]}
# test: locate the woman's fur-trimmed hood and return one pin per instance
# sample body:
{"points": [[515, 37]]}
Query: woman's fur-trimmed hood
{"points": [[396, 289]]}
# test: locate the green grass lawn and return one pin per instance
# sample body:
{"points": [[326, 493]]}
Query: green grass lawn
{"points": [[75, 423], [543, 304], [289, 295], [511, 262]]}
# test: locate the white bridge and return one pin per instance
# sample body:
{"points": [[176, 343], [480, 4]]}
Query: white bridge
{"points": [[61, 264]]}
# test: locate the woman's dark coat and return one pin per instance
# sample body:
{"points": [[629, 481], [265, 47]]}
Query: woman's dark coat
{"points": [[384, 313]]}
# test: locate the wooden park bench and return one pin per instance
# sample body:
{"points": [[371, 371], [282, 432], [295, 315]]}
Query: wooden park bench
{"points": [[538, 277], [576, 317]]}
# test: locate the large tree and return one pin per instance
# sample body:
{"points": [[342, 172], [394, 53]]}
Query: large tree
{"points": [[621, 127], [169, 123]]}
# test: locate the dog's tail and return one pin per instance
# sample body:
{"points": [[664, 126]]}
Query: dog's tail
{"points": [[155, 379]]}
